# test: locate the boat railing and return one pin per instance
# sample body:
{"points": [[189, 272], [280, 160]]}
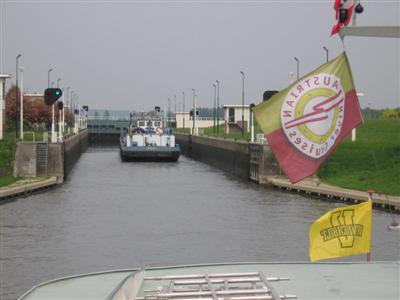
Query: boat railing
{"points": [[225, 286]]}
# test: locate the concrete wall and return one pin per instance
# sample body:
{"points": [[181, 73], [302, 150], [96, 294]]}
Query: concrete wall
{"points": [[230, 156], [227, 155], [74, 146], [49, 159], [25, 159]]}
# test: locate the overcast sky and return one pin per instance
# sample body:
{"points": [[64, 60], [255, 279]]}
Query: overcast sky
{"points": [[133, 55]]}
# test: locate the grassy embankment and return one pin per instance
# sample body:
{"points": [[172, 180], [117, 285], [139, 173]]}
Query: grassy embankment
{"points": [[371, 162], [7, 148], [7, 151]]}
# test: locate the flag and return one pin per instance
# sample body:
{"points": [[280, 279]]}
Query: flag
{"points": [[347, 4], [305, 122], [342, 232]]}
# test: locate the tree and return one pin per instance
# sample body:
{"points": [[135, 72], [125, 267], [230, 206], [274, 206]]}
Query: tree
{"points": [[390, 113], [11, 109]]}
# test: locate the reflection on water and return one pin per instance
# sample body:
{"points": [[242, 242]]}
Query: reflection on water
{"points": [[111, 215]]}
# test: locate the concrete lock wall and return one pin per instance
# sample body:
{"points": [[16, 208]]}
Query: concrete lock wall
{"points": [[230, 156], [74, 146], [25, 159], [49, 159], [242, 159]]}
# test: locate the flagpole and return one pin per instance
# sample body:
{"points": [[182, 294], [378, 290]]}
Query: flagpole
{"points": [[370, 192]]}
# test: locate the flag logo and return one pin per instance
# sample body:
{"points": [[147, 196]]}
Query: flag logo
{"points": [[342, 228], [342, 232], [312, 114]]}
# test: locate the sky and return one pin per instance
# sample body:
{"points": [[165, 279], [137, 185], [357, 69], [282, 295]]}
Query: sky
{"points": [[133, 55]]}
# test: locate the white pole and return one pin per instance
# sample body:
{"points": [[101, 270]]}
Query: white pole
{"points": [[195, 115], [1, 107], [353, 135], [2, 103], [53, 133], [21, 113], [59, 126], [252, 126], [63, 115]]}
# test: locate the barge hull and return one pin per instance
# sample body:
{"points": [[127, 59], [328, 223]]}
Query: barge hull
{"points": [[150, 153]]}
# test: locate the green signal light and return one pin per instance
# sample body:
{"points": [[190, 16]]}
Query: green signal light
{"points": [[57, 93]]}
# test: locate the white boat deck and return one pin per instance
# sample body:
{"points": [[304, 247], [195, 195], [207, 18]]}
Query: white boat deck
{"points": [[376, 280]]}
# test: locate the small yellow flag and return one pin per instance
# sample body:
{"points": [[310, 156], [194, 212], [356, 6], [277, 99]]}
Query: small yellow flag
{"points": [[342, 232]]}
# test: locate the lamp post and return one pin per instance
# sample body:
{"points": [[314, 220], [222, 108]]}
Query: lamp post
{"points": [[175, 109], [52, 84], [214, 107], [21, 105], [169, 112], [48, 77], [327, 53], [194, 112], [184, 114], [67, 107], [58, 82], [369, 110], [16, 95], [241, 72], [252, 122], [217, 81], [298, 67], [3, 78]]}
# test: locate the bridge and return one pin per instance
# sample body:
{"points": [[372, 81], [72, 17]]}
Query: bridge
{"points": [[106, 129]]}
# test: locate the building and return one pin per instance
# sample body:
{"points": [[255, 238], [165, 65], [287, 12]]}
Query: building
{"points": [[183, 120], [233, 117], [3, 78]]}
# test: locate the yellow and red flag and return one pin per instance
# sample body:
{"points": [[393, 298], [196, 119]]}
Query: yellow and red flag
{"points": [[306, 121], [342, 232]]}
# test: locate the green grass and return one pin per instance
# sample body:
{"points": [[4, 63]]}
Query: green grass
{"points": [[209, 131], [7, 148], [371, 162], [7, 180]]}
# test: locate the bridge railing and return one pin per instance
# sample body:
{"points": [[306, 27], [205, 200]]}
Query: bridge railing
{"points": [[108, 118]]}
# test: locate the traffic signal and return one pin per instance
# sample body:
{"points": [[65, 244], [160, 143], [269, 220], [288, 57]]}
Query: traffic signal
{"points": [[85, 108], [268, 94], [60, 105], [51, 95]]}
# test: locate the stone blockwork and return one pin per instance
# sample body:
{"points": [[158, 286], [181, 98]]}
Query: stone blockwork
{"points": [[49, 159]]}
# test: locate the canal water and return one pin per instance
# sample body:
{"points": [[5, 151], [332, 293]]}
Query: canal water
{"points": [[111, 215]]}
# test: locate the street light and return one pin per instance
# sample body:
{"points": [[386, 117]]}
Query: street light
{"points": [[183, 104], [169, 112], [21, 105], [58, 82], [48, 77], [52, 84], [67, 96], [194, 112], [298, 67], [217, 105], [241, 72], [369, 110], [327, 53], [16, 96], [215, 100], [175, 109]]}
